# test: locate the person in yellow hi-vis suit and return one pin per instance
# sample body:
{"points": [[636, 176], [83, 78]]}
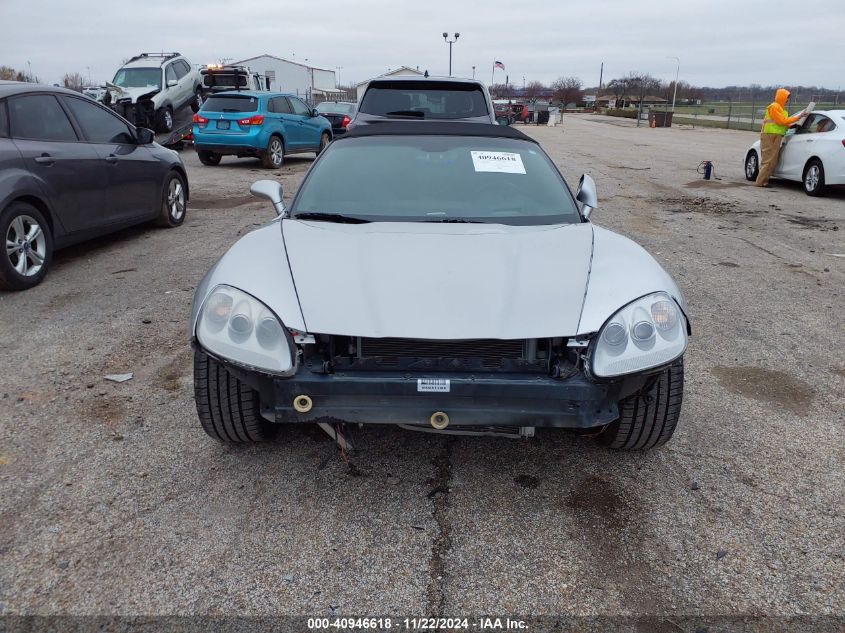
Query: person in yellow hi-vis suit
{"points": [[775, 125]]}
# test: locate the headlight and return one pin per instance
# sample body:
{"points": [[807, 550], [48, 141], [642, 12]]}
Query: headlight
{"points": [[238, 327], [646, 333]]}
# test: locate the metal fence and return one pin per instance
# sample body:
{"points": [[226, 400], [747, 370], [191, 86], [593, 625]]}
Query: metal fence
{"points": [[731, 115]]}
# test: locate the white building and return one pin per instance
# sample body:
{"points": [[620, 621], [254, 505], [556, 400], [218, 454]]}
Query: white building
{"points": [[289, 76], [402, 71]]}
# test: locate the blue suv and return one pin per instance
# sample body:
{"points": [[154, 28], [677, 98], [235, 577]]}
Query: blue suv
{"points": [[266, 125]]}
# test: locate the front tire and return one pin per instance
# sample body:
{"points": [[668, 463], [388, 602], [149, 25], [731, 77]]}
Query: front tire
{"points": [[174, 201], [648, 418], [208, 158], [274, 155], [228, 410], [752, 166], [813, 178], [29, 247]]}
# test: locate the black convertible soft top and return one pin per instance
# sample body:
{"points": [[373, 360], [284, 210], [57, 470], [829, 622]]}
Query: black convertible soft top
{"points": [[432, 128]]}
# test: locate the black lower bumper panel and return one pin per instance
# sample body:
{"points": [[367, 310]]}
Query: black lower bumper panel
{"points": [[489, 400]]}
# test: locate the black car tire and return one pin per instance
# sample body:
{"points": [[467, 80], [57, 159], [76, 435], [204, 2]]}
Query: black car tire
{"points": [[325, 139], [174, 201], [274, 156], [164, 119], [813, 186], [17, 215], [648, 418], [228, 410], [752, 166], [209, 158], [196, 102]]}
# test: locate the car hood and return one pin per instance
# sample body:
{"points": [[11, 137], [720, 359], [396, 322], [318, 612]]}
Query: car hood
{"points": [[133, 93], [439, 281]]}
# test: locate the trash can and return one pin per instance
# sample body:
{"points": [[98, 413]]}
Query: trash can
{"points": [[543, 117], [659, 119]]}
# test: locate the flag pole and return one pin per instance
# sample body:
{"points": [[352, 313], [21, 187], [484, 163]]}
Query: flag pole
{"points": [[493, 74]]}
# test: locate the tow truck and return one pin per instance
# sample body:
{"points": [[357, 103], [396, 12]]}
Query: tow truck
{"points": [[223, 77]]}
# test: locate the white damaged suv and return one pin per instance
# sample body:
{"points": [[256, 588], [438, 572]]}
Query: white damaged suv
{"points": [[151, 87]]}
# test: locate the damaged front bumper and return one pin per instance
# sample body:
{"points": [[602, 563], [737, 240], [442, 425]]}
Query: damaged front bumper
{"points": [[141, 114], [468, 399]]}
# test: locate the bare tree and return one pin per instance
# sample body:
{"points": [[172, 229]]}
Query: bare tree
{"points": [[533, 90], [8, 73], [74, 81], [568, 90], [502, 91]]}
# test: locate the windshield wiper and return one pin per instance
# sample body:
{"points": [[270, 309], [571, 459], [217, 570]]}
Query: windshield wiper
{"points": [[330, 217], [455, 221], [411, 113]]}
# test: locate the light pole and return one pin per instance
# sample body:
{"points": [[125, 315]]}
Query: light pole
{"points": [[338, 69], [677, 73], [473, 72], [88, 68], [29, 65], [450, 42]]}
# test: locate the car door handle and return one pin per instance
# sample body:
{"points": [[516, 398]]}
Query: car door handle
{"points": [[45, 159], [111, 159]]}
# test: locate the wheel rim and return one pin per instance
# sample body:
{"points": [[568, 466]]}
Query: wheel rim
{"points": [[199, 99], [276, 151], [811, 180], [324, 141], [168, 119], [26, 245], [751, 165], [175, 199]]}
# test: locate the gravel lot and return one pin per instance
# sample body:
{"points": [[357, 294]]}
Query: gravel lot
{"points": [[113, 501]]}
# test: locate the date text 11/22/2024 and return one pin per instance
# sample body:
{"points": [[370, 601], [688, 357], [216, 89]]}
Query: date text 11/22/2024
{"points": [[417, 624]]}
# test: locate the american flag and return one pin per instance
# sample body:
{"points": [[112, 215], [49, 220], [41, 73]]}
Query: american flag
{"points": [[500, 65]]}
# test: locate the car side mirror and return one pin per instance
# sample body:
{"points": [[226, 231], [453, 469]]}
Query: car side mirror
{"points": [[587, 195], [171, 83], [314, 112], [272, 191], [143, 136]]}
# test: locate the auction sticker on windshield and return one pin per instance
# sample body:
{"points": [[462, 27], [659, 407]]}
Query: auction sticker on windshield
{"points": [[501, 162]]}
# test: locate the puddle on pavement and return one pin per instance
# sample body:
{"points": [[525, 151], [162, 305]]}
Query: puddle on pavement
{"points": [[824, 224], [766, 385], [713, 184], [201, 202]]}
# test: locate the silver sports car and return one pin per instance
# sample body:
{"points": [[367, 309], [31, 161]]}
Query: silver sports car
{"points": [[440, 277]]}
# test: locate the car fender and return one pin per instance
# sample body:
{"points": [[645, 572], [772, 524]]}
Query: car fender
{"points": [[258, 265], [621, 272], [18, 183]]}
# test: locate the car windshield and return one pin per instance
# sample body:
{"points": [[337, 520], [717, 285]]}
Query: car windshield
{"points": [[138, 78], [224, 79], [425, 100], [335, 108], [437, 179], [230, 103]]}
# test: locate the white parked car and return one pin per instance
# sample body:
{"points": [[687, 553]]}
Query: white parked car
{"points": [[150, 87], [812, 153], [444, 278]]}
